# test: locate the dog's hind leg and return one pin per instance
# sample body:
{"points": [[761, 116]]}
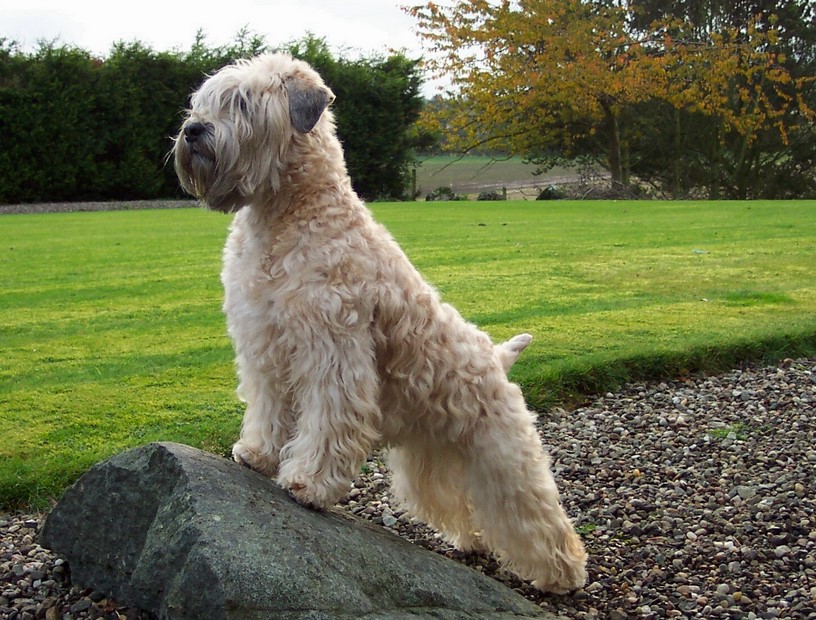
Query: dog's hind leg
{"points": [[428, 484], [516, 501], [509, 351]]}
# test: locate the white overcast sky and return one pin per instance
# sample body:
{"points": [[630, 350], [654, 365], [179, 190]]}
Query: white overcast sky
{"points": [[355, 26]]}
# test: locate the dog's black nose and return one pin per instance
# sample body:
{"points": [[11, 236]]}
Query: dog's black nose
{"points": [[192, 131]]}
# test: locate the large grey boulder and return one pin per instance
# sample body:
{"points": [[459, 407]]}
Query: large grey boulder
{"points": [[186, 534]]}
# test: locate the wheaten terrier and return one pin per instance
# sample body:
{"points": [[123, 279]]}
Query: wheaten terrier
{"points": [[342, 346]]}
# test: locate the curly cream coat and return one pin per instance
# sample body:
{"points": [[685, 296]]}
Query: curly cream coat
{"points": [[341, 345]]}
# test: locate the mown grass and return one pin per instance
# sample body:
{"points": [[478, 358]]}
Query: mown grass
{"points": [[470, 174], [446, 170], [112, 334]]}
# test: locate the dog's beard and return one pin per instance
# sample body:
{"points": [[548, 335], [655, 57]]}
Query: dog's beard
{"points": [[206, 176]]}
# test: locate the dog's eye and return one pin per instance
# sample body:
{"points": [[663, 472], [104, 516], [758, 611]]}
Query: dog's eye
{"points": [[237, 105]]}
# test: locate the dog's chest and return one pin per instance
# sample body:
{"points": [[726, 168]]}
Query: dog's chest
{"points": [[251, 290], [287, 278]]}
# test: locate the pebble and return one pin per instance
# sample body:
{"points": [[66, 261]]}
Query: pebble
{"points": [[745, 492], [695, 499], [781, 551]]}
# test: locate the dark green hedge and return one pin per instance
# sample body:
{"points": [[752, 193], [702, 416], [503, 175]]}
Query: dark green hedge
{"points": [[74, 127]]}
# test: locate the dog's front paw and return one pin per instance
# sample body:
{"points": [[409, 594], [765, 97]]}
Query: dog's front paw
{"points": [[307, 490], [304, 496], [243, 455], [308, 496]]}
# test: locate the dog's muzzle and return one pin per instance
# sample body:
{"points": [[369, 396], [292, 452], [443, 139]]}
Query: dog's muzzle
{"points": [[200, 172], [196, 138], [193, 131]]}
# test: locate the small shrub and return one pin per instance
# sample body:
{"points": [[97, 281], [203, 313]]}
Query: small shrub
{"points": [[442, 193], [490, 195], [550, 193]]}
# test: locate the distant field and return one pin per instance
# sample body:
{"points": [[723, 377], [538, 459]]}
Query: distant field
{"points": [[112, 334], [472, 174]]}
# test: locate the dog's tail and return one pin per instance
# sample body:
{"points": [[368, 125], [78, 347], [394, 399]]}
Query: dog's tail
{"points": [[509, 351]]}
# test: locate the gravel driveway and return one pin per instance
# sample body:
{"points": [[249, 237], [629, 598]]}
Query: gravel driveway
{"points": [[695, 499]]}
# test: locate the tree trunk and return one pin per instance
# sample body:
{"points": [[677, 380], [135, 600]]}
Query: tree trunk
{"points": [[716, 159], [676, 189], [614, 146]]}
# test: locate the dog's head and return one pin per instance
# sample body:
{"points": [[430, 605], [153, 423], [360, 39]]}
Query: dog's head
{"points": [[242, 121]]}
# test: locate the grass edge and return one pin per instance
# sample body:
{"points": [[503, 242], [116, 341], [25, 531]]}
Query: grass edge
{"points": [[571, 383]]}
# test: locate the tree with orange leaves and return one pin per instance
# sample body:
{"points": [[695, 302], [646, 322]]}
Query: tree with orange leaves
{"points": [[536, 76]]}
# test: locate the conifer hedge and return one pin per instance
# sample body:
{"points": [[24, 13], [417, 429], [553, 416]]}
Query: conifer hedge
{"points": [[74, 127]]}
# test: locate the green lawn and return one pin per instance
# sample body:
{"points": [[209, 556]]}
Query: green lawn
{"points": [[112, 334]]}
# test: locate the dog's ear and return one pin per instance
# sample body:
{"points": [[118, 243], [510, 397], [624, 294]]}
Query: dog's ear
{"points": [[307, 101]]}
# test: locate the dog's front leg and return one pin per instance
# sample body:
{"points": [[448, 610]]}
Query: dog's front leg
{"points": [[336, 391], [268, 420]]}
